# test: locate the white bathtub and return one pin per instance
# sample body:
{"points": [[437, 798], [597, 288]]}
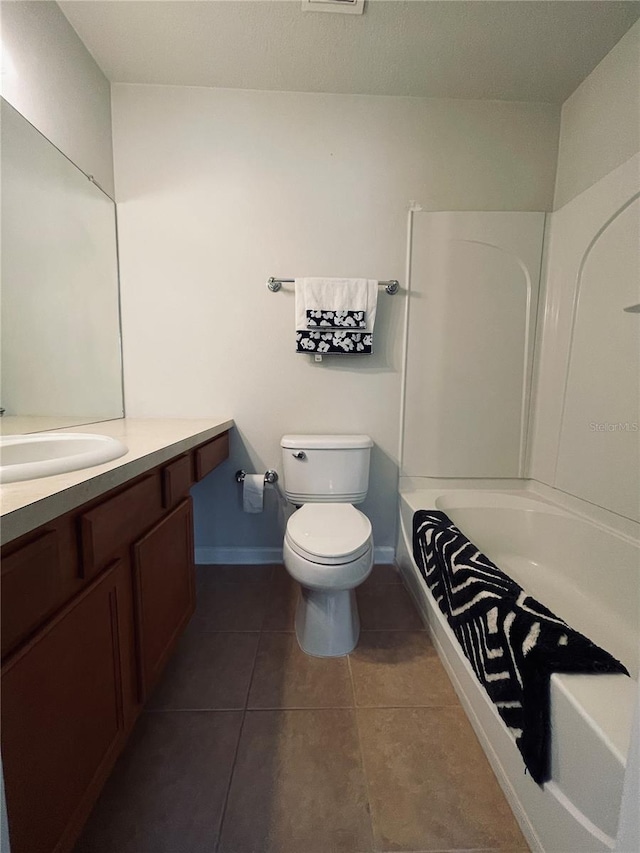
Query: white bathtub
{"points": [[589, 575]]}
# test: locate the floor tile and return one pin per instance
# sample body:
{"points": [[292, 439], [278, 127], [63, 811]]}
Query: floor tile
{"points": [[383, 573], [298, 786], [286, 677], [207, 671], [387, 607], [430, 785], [234, 573], [168, 789], [399, 668], [283, 599], [229, 606]]}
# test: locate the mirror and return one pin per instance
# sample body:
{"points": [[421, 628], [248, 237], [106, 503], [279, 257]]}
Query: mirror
{"points": [[61, 354]]}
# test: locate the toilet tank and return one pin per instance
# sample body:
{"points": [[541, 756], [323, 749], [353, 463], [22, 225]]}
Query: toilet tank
{"points": [[326, 468]]}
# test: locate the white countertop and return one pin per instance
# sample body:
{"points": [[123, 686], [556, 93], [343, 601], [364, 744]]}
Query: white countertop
{"points": [[28, 504]]}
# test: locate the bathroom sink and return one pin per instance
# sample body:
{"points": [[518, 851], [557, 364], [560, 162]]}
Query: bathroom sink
{"points": [[27, 457]]}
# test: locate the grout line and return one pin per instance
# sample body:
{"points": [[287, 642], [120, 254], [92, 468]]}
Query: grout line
{"points": [[406, 707], [420, 631], [244, 582], [332, 708], [362, 764], [200, 633], [327, 708], [235, 756], [463, 850], [239, 631], [302, 708], [278, 631], [192, 710], [394, 630]]}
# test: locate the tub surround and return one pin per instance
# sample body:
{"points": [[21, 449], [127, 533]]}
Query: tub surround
{"points": [[150, 442]]}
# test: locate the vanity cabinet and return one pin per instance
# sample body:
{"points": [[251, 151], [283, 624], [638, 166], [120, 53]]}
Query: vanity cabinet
{"points": [[92, 606]]}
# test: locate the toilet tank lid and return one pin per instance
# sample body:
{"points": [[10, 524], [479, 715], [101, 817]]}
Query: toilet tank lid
{"points": [[325, 442]]}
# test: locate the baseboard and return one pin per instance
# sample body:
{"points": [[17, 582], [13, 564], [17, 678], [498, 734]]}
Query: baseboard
{"points": [[214, 556], [207, 555], [384, 554]]}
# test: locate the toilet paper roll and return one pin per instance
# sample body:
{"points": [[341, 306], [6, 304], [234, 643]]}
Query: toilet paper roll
{"points": [[253, 492]]}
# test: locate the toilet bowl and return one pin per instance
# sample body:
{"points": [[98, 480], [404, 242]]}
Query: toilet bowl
{"points": [[328, 549], [328, 546]]}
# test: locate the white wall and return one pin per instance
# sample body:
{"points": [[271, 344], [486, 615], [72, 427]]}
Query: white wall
{"points": [[220, 189], [50, 77], [601, 120]]}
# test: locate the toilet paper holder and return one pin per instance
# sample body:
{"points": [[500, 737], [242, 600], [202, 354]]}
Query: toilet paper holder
{"points": [[270, 476]]}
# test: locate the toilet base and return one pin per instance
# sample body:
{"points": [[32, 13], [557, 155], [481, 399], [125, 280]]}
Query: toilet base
{"points": [[327, 622]]}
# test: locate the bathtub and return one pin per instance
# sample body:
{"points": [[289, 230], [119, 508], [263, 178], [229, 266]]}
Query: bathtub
{"points": [[587, 572]]}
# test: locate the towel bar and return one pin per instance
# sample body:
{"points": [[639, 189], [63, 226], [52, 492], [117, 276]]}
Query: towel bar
{"points": [[274, 284]]}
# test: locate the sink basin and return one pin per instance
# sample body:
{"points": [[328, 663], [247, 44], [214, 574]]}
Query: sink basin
{"points": [[27, 457]]}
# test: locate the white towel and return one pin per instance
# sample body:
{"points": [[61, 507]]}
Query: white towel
{"points": [[336, 294]]}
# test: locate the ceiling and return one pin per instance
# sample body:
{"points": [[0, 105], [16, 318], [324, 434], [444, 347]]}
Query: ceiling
{"points": [[517, 50]]}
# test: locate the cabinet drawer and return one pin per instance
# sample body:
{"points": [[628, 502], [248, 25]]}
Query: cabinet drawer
{"points": [[30, 587], [177, 479], [210, 455], [117, 522]]}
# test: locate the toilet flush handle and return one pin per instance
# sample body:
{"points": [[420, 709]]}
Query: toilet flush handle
{"points": [[299, 455]]}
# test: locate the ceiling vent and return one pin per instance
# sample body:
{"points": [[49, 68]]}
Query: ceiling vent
{"points": [[349, 7]]}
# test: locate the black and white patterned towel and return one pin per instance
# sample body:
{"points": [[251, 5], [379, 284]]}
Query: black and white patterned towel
{"points": [[336, 319], [334, 343], [513, 642]]}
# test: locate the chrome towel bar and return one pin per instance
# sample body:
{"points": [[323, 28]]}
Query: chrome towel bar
{"points": [[274, 284]]}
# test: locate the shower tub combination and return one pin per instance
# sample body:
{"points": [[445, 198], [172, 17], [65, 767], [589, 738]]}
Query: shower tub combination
{"points": [[586, 573]]}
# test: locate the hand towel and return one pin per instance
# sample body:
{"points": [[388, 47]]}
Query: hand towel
{"points": [[348, 295]]}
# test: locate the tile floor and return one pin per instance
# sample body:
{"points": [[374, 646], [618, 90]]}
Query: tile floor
{"points": [[250, 746]]}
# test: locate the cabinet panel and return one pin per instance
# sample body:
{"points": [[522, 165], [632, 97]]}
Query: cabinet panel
{"points": [[210, 455], [117, 521], [62, 716], [164, 590]]}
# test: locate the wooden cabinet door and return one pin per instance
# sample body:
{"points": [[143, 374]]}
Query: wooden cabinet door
{"points": [[62, 718], [164, 590]]}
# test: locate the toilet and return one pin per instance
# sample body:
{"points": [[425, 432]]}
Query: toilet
{"points": [[328, 546]]}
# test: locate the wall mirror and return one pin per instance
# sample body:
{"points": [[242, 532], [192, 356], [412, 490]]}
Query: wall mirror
{"points": [[61, 354]]}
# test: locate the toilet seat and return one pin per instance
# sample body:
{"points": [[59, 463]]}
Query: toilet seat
{"points": [[329, 534]]}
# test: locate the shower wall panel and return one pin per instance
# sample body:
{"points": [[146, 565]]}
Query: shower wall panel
{"points": [[472, 315]]}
